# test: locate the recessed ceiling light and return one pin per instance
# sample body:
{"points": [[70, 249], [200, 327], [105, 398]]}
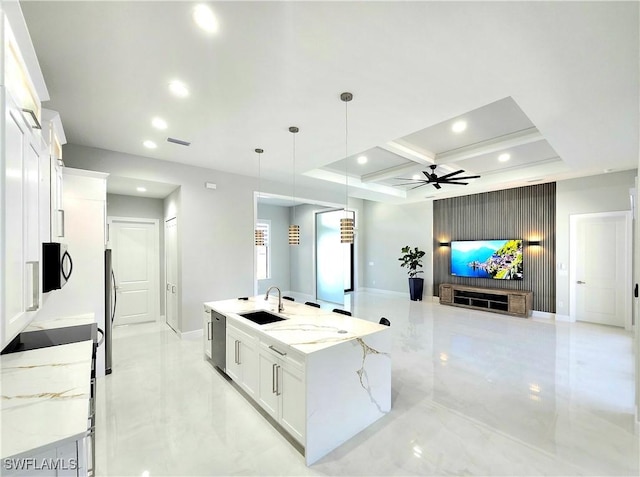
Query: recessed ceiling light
{"points": [[504, 157], [459, 126], [415, 177], [205, 19], [141, 189], [179, 89], [362, 160], [149, 144], [159, 123]]}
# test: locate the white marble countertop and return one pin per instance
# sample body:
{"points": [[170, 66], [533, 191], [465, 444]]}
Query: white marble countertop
{"points": [[61, 322], [45, 397], [305, 328]]}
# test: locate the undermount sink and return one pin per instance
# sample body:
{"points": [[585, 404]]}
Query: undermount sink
{"points": [[261, 317]]}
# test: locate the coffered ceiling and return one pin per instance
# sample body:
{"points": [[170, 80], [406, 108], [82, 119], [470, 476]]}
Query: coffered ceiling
{"points": [[552, 84]]}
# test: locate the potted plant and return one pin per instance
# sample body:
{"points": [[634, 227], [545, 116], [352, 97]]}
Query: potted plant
{"points": [[412, 259]]}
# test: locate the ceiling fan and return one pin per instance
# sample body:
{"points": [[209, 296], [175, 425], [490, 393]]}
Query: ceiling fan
{"points": [[435, 180]]}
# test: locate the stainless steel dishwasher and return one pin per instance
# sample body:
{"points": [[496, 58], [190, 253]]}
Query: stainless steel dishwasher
{"points": [[219, 340]]}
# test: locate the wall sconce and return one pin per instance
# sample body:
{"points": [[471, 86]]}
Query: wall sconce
{"points": [[445, 244], [534, 243]]}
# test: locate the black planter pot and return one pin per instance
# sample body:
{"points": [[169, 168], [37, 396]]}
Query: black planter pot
{"points": [[415, 288]]}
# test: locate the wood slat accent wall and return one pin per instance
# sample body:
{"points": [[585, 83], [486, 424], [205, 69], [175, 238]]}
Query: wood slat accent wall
{"points": [[527, 213]]}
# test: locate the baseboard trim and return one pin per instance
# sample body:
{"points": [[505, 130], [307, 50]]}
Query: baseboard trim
{"points": [[191, 335], [383, 292], [565, 318]]}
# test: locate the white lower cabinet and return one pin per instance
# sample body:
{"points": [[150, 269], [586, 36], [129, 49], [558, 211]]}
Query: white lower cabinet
{"points": [[64, 460], [281, 391], [242, 359], [207, 332]]}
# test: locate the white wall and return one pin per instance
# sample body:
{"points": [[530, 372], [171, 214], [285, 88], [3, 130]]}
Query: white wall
{"points": [[388, 229], [603, 193], [215, 227]]}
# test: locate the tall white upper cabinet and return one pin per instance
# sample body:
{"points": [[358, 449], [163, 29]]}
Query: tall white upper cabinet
{"points": [[23, 150]]}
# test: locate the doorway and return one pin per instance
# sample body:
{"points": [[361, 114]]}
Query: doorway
{"points": [[601, 283], [171, 273], [135, 251]]}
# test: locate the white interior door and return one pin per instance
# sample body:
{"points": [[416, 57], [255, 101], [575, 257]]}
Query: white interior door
{"points": [[601, 262], [135, 263], [171, 272]]}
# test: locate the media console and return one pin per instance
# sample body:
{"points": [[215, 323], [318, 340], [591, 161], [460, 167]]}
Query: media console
{"points": [[510, 302]]}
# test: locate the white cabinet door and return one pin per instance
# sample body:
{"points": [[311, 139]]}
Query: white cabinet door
{"points": [[292, 401], [249, 362], [242, 360], [21, 250], [13, 253], [207, 332], [267, 390], [282, 389]]}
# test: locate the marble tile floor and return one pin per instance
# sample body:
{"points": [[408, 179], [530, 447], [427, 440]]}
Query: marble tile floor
{"points": [[474, 393]]}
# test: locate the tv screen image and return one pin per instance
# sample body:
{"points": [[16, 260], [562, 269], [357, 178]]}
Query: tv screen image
{"points": [[497, 259]]}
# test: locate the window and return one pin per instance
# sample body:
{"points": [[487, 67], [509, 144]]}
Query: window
{"points": [[263, 252]]}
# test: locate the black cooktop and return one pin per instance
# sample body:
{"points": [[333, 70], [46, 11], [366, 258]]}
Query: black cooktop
{"points": [[28, 340]]}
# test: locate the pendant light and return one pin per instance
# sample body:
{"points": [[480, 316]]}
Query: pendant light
{"points": [[294, 230], [347, 223], [259, 233]]}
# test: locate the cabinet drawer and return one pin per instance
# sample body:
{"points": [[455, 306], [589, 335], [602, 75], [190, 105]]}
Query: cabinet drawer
{"points": [[283, 352]]}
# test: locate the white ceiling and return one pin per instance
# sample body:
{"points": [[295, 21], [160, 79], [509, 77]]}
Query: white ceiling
{"points": [[555, 83]]}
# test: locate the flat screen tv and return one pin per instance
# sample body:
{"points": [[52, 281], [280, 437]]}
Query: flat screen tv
{"points": [[497, 259]]}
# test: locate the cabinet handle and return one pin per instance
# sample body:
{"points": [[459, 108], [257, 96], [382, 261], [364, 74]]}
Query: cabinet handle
{"points": [[239, 357], [580, 282], [209, 330], [274, 389], [31, 113], [277, 351], [173, 288], [60, 222], [237, 352], [278, 381], [35, 286]]}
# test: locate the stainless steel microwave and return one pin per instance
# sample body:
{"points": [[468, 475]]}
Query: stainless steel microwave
{"points": [[57, 266]]}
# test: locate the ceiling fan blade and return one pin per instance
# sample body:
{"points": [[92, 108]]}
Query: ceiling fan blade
{"points": [[464, 178], [456, 183], [436, 185], [427, 174], [418, 186], [451, 174], [409, 183]]}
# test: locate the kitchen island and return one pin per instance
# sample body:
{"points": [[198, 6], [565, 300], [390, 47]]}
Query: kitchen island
{"points": [[321, 376]]}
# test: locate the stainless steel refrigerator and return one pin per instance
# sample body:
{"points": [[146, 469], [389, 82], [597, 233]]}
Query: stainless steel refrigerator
{"points": [[110, 302]]}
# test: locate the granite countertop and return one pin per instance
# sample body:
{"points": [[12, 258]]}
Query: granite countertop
{"points": [[306, 329], [45, 396]]}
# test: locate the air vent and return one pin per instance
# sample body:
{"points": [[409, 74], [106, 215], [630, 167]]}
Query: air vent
{"points": [[178, 141]]}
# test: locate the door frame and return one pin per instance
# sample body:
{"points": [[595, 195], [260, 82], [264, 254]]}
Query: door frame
{"points": [[628, 241], [156, 253], [164, 285]]}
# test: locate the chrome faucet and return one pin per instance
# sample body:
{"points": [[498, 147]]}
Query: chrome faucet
{"points": [[266, 297]]}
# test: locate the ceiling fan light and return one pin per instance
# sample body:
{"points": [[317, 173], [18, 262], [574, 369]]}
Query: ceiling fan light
{"points": [[504, 157]]}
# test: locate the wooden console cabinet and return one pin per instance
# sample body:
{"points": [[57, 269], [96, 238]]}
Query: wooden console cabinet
{"points": [[510, 302]]}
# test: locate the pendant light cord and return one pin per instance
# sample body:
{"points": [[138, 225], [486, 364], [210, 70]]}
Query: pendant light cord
{"points": [[346, 156]]}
